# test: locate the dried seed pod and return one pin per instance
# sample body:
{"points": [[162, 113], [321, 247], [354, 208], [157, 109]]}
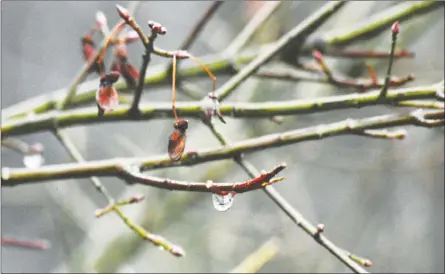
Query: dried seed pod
{"points": [[176, 141], [107, 97], [89, 50]]}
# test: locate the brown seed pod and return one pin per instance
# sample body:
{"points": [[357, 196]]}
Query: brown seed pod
{"points": [[176, 141]]}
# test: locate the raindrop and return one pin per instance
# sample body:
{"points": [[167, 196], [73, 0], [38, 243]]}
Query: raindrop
{"points": [[33, 160], [222, 202]]}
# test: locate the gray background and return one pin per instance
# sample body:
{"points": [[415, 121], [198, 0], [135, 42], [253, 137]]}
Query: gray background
{"points": [[380, 199]]}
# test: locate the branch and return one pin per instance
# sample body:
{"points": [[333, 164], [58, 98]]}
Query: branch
{"points": [[218, 63], [361, 84], [266, 178], [290, 211], [84, 116], [300, 31], [254, 24], [111, 167], [379, 22], [199, 26]]}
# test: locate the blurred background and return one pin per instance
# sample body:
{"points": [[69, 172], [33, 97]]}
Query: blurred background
{"points": [[381, 199]]}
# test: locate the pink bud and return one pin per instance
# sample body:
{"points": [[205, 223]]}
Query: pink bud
{"points": [[123, 12], [320, 228], [137, 198], [317, 55], [182, 54], [395, 27], [101, 20]]}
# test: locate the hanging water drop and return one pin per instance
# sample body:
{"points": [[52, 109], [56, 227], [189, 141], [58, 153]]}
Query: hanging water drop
{"points": [[222, 202]]}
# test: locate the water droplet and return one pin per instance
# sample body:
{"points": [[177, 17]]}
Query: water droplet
{"points": [[161, 248], [222, 203], [33, 160], [209, 184]]}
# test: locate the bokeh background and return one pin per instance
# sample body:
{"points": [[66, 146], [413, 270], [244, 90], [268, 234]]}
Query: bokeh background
{"points": [[381, 199]]}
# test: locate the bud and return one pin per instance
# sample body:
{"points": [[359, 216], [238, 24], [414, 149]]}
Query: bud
{"points": [[123, 12], [156, 27], [317, 55], [395, 27], [320, 228], [101, 20], [137, 199]]}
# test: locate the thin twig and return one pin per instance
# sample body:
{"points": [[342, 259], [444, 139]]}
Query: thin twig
{"points": [[260, 17], [199, 26], [264, 179], [39, 244], [395, 32], [110, 167]]}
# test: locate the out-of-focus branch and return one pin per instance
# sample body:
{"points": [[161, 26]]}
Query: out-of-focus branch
{"points": [[254, 24], [255, 261], [377, 23], [140, 231], [111, 167], [39, 244], [83, 116], [299, 32]]}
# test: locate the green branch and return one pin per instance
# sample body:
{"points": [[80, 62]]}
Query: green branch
{"points": [[379, 22], [83, 116], [217, 63], [111, 167]]}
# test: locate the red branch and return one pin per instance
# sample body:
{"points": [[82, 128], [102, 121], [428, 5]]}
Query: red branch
{"points": [[131, 176]]}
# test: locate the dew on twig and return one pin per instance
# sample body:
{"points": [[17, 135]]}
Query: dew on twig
{"points": [[222, 202]]}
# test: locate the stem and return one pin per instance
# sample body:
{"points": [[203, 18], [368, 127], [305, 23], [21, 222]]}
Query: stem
{"points": [[174, 88], [259, 181], [199, 26], [111, 167], [84, 116], [385, 87]]}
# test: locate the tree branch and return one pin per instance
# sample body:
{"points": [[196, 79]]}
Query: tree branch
{"points": [[218, 63], [266, 178], [299, 32], [110, 167], [84, 116]]}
